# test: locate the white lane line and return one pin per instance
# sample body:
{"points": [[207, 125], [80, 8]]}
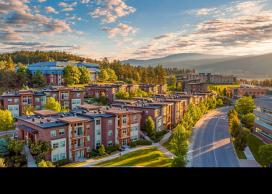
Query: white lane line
{"points": [[214, 129]]}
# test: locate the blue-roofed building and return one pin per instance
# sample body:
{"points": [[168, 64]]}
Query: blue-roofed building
{"points": [[53, 71]]}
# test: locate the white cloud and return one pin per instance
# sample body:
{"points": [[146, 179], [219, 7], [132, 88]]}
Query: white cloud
{"points": [[41, 1], [121, 29], [67, 6], [111, 10], [50, 9]]}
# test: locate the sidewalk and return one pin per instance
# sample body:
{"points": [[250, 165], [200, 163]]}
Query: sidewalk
{"points": [[30, 160], [250, 161]]}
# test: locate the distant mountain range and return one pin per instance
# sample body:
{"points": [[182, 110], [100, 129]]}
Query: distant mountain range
{"points": [[255, 67]]}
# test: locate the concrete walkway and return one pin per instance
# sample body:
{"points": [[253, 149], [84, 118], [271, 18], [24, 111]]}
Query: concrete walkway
{"points": [[166, 152], [250, 161], [166, 137], [30, 160]]}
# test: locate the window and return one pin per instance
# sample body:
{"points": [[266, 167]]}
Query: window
{"points": [[110, 143], [55, 158], [16, 100], [79, 131], [124, 132], [97, 122], [88, 149], [62, 144], [9, 99], [61, 132], [88, 127], [110, 122], [98, 132], [62, 156], [37, 99], [124, 120], [109, 133], [88, 138], [55, 145], [53, 133]]}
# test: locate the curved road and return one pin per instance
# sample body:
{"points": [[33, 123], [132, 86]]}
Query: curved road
{"points": [[210, 143]]}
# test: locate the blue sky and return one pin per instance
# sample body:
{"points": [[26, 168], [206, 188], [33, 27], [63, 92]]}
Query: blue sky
{"points": [[142, 29]]}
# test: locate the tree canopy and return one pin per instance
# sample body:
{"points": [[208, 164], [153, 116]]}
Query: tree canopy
{"points": [[52, 104]]}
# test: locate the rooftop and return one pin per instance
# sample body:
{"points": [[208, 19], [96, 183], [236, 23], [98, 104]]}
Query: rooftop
{"points": [[73, 119], [46, 113]]}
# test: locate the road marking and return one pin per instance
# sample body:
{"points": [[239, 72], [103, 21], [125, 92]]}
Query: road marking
{"points": [[214, 141]]}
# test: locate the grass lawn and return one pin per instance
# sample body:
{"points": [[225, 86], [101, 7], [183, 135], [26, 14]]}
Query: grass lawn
{"points": [[168, 146], [148, 157], [77, 85], [75, 164], [254, 143]]}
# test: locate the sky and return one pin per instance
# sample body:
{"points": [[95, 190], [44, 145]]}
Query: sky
{"points": [[138, 29]]}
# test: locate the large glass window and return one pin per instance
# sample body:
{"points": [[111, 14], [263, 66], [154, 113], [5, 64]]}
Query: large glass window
{"points": [[97, 122], [55, 145], [110, 133], [53, 133], [62, 144], [62, 156]]}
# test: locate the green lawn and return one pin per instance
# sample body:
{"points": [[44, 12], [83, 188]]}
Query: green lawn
{"points": [[254, 143], [148, 157], [168, 146]]}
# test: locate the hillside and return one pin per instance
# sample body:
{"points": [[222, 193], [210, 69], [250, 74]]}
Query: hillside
{"points": [[257, 67], [247, 67], [178, 59]]}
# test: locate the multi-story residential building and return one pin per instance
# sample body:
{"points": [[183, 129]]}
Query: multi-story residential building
{"points": [[210, 78], [68, 134], [69, 98], [53, 71], [97, 91], [251, 91], [16, 102], [128, 124], [192, 88], [73, 135], [155, 112], [263, 119], [153, 88], [167, 113], [179, 107]]}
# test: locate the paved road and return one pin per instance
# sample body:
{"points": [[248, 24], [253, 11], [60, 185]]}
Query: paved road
{"points": [[210, 143]]}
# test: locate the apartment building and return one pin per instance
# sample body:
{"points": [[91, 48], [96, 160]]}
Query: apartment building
{"points": [[128, 124], [96, 91], [68, 134], [167, 113], [69, 98], [16, 102], [263, 119], [251, 91], [74, 135], [153, 88], [53, 71], [155, 112], [179, 108]]}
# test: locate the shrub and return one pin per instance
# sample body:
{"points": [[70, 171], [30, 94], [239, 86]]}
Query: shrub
{"points": [[45, 164], [111, 149], [265, 153], [102, 150], [139, 142], [179, 161], [61, 162], [158, 135]]}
